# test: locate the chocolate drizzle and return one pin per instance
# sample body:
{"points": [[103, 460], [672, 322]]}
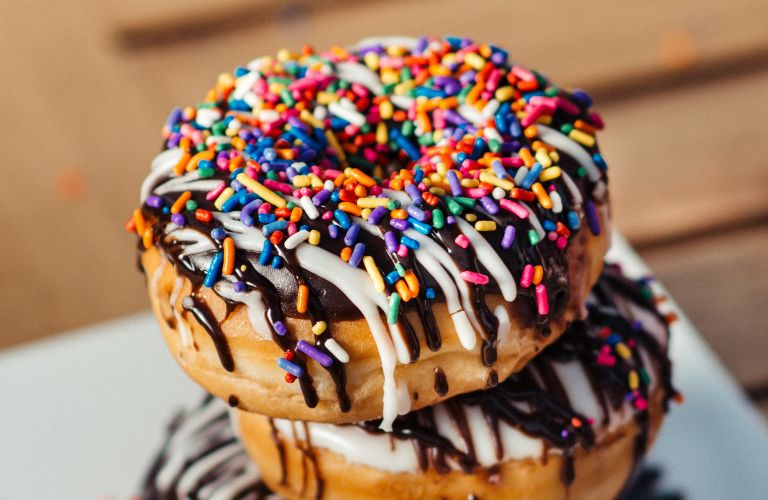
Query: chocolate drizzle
{"points": [[535, 400], [441, 383], [207, 320]]}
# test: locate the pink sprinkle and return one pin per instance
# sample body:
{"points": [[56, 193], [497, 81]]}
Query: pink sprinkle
{"points": [[514, 207], [278, 186], [331, 174], [597, 120], [605, 360], [215, 192], [561, 242], [523, 73], [462, 240], [477, 193], [251, 172], [402, 251], [291, 229], [531, 116], [476, 278], [641, 404], [527, 276], [265, 208], [327, 215], [551, 236], [541, 299]]}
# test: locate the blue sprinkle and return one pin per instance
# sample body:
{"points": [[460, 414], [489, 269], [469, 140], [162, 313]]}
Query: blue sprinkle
{"points": [[218, 234], [214, 270], [333, 231], [548, 225], [291, 368], [592, 218], [239, 286], [419, 226], [392, 277], [357, 255], [276, 262], [352, 233], [266, 218], [266, 253], [231, 203], [409, 242], [573, 221], [531, 176], [430, 293], [342, 218], [270, 228]]}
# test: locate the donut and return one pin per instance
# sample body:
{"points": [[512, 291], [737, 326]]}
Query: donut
{"points": [[202, 458], [329, 229], [572, 424]]}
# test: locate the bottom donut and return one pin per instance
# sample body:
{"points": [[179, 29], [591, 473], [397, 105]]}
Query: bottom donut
{"points": [[572, 424]]}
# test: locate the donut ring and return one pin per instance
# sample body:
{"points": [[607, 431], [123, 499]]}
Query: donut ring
{"points": [[572, 424], [311, 199]]}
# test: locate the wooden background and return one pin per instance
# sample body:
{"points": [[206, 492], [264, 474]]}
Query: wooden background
{"points": [[682, 85]]}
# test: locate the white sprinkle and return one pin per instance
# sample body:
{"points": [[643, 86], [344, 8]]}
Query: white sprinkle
{"points": [[268, 115], [557, 202], [207, 116], [471, 114], [521, 173], [351, 115], [402, 101], [329, 185], [296, 239], [337, 351], [490, 109], [309, 208], [498, 193]]}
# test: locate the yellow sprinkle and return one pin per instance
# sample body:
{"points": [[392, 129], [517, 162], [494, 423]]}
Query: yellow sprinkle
{"points": [[373, 272], [223, 197], [634, 380], [382, 134], [336, 147], [437, 191], [314, 180], [314, 237], [471, 217], [326, 98], [475, 60], [243, 268], [371, 60], [403, 88], [555, 156], [549, 174], [504, 94], [261, 190], [301, 180], [319, 327], [495, 181], [386, 109], [370, 202], [623, 351], [582, 137], [389, 76], [469, 183], [365, 213], [485, 225], [310, 119], [543, 158]]}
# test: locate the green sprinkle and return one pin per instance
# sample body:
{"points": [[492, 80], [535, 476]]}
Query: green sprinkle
{"points": [[453, 207], [494, 145], [644, 376], [465, 202], [394, 307], [191, 205], [566, 128], [400, 269], [205, 172], [533, 237], [438, 219]]}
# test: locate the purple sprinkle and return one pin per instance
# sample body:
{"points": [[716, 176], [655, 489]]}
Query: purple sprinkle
{"points": [[321, 197], [509, 237], [391, 241], [155, 201], [417, 213], [357, 255], [594, 221], [399, 224], [414, 193], [238, 286], [453, 181], [376, 215], [564, 434], [450, 220], [333, 231], [245, 214], [351, 236], [314, 353], [280, 328], [489, 206], [178, 219]]}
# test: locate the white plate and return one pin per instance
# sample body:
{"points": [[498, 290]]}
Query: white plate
{"points": [[82, 414]]}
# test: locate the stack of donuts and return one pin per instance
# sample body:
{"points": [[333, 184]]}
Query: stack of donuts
{"points": [[387, 260]]}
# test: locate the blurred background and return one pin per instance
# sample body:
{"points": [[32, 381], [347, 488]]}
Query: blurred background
{"points": [[683, 87]]}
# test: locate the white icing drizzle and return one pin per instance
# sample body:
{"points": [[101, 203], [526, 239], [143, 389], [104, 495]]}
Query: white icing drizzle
{"points": [[254, 303], [489, 258], [161, 167]]}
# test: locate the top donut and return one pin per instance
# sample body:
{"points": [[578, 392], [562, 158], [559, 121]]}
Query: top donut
{"points": [[411, 197]]}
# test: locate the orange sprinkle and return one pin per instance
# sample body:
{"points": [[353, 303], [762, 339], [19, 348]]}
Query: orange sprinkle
{"points": [[400, 213], [229, 256], [238, 143], [178, 169], [346, 253], [130, 226], [527, 157], [361, 177], [138, 222], [296, 214], [412, 282], [302, 299], [538, 274], [531, 132], [402, 289], [350, 208], [576, 422], [236, 163], [178, 205], [339, 180], [586, 127], [146, 238], [541, 194], [202, 155]]}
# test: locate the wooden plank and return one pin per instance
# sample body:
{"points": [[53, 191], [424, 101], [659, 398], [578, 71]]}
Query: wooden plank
{"points": [[722, 282], [619, 42]]}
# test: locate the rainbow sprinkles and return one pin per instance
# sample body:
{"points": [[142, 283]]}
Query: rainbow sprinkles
{"points": [[400, 171]]}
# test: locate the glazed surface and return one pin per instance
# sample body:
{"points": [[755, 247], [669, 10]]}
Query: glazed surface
{"points": [[372, 182]]}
